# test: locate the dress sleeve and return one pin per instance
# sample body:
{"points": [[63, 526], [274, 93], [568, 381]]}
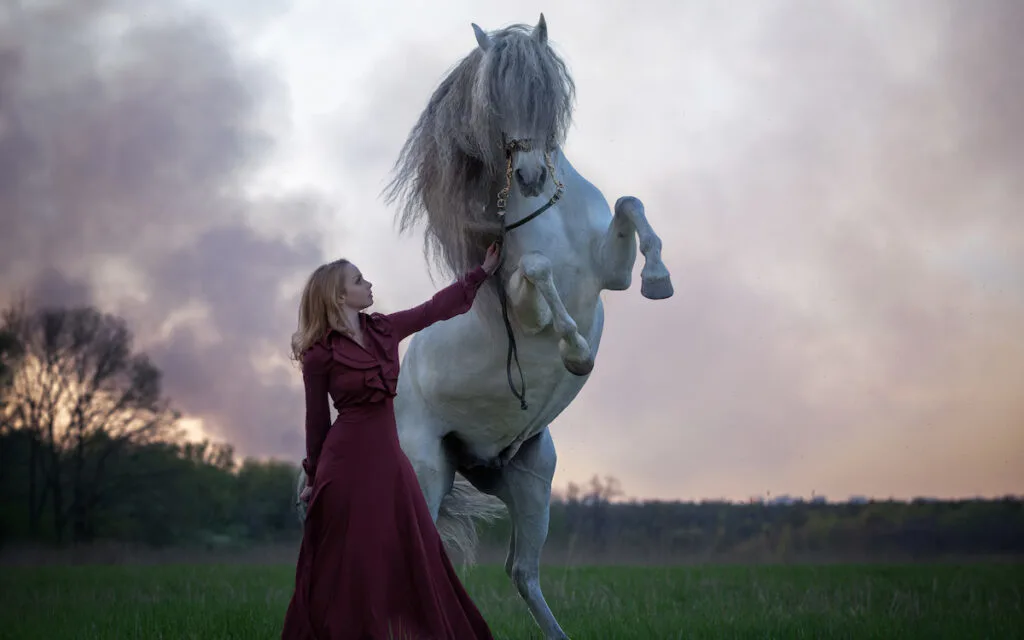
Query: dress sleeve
{"points": [[453, 300], [318, 412]]}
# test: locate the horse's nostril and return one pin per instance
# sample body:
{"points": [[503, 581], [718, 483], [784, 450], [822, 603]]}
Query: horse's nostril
{"points": [[531, 178]]}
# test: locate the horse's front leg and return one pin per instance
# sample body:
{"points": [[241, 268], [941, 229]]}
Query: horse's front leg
{"points": [[536, 304], [531, 311], [618, 252]]}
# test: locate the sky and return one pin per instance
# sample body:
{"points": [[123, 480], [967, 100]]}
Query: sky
{"points": [[837, 186]]}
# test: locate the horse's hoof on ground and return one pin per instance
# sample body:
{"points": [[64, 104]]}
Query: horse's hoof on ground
{"points": [[657, 288]]}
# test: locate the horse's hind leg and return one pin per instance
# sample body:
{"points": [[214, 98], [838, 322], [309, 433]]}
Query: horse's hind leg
{"points": [[524, 485]]}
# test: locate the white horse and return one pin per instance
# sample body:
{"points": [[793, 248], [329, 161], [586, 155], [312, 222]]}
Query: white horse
{"points": [[484, 162]]}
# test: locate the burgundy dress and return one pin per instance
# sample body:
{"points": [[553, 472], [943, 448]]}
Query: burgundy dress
{"points": [[372, 564]]}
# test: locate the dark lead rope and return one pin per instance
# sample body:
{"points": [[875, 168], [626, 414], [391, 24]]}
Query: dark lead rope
{"points": [[512, 351], [533, 215], [502, 296]]}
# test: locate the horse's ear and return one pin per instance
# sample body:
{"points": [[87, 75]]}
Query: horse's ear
{"points": [[540, 32], [482, 38]]}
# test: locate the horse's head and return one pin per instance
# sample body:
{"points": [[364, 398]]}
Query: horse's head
{"points": [[508, 101], [522, 103]]}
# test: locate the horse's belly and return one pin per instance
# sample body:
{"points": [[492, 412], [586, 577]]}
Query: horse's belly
{"points": [[487, 417], [455, 378]]}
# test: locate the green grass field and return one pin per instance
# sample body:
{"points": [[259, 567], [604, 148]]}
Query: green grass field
{"points": [[247, 601]]}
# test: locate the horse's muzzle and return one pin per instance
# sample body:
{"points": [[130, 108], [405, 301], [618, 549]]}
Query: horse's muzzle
{"points": [[531, 182]]}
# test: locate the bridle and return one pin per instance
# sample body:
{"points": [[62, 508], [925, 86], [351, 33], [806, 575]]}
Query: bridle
{"points": [[513, 146]]}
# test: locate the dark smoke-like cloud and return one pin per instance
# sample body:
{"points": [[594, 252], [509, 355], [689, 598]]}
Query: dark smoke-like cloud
{"points": [[127, 131], [838, 187]]}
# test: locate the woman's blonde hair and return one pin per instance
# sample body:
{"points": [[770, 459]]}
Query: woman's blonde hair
{"points": [[320, 308]]}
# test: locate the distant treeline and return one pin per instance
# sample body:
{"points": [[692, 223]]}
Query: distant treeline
{"points": [[587, 523], [89, 452]]}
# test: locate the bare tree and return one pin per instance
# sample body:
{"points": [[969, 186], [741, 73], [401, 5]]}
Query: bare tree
{"points": [[10, 356], [83, 394]]}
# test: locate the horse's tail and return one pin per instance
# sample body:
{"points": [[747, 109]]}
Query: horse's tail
{"points": [[300, 484], [460, 510]]}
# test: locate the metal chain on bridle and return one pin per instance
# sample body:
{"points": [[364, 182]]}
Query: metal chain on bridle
{"points": [[511, 148]]}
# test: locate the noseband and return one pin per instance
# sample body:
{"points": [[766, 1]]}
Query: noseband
{"points": [[513, 146]]}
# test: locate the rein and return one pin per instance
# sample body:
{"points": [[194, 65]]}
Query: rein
{"points": [[511, 147]]}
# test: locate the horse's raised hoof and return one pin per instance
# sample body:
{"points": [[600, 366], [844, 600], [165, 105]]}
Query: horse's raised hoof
{"points": [[657, 288], [577, 358], [579, 367]]}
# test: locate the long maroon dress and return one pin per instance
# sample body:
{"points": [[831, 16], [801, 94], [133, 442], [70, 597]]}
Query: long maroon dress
{"points": [[371, 563]]}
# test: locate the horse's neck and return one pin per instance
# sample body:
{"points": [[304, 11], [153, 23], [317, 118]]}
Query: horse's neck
{"points": [[563, 163], [566, 171], [579, 195]]}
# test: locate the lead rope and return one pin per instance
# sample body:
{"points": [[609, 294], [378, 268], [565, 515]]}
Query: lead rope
{"points": [[513, 352]]}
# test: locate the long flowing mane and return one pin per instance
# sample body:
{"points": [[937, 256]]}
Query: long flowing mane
{"points": [[452, 163]]}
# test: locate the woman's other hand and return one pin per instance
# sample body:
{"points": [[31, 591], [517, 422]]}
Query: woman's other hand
{"points": [[492, 259]]}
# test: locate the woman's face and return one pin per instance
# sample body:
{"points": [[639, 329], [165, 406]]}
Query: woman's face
{"points": [[358, 290]]}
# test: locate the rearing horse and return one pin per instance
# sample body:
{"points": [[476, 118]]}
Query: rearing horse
{"points": [[484, 163]]}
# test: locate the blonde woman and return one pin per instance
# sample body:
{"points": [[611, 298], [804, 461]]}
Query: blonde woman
{"points": [[371, 563]]}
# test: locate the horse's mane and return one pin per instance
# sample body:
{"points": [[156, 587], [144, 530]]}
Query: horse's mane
{"points": [[453, 163]]}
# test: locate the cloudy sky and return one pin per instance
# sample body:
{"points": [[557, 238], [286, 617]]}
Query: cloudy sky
{"points": [[837, 185]]}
